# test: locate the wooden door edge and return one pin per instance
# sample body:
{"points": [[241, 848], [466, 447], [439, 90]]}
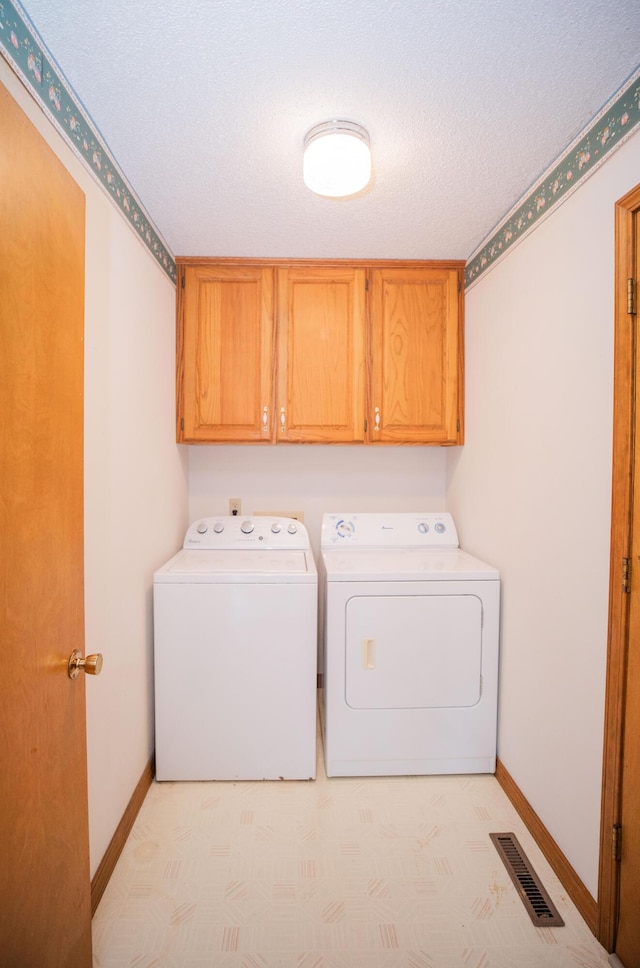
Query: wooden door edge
{"points": [[107, 864], [623, 404]]}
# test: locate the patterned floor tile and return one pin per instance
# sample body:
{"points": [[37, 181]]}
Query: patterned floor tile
{"points": [[382, 872]]}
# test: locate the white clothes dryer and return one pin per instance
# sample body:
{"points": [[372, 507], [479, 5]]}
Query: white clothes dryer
{"points": [[411, 634], [235, 645]]}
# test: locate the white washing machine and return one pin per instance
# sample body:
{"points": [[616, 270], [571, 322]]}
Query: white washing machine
{"points": [[235, 646], [411, 632]]}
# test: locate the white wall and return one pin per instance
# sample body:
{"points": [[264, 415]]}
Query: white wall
{"points": [[315, 479], [135, 483], [531, 489], [135, 509]]}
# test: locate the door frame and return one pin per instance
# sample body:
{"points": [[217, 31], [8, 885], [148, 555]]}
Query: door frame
{"points": [[621, 518]]}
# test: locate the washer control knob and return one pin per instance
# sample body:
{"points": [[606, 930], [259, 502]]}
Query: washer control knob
{"points": [[246, 527], [423, 527], [292, 528], [440, 527], [218, 527], [202, 528], [276, 527]]}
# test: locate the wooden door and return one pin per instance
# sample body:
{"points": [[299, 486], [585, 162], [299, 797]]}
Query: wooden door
{"points": [[45, 909], [321, 338], [619, 881], [225, 354], [628, 931], [416, 356]]}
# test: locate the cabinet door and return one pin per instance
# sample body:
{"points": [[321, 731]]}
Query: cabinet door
{"points": [[416, 357], [225, 362], [321, 327]]}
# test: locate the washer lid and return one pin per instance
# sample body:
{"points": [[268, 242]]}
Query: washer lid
{"points": [[238, 566], [408, 564]]}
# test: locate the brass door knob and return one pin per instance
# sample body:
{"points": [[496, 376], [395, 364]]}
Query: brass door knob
{"points": [[92, 664]]}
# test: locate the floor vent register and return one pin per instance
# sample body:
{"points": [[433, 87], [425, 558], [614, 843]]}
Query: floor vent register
{"points": [[537, 902]]}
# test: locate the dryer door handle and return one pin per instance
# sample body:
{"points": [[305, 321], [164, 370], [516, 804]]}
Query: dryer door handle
{"points": [[368, 653]]}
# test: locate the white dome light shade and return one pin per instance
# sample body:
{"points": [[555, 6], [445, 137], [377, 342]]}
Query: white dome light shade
{"points": [[337, 159]]}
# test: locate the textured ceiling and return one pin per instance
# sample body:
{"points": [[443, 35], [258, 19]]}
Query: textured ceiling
{"points": [[205, 105]]}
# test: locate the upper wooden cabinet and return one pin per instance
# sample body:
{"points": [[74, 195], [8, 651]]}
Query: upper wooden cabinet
{"points": [[415, 383], [317, 352], [225, 353], [321, 349]]}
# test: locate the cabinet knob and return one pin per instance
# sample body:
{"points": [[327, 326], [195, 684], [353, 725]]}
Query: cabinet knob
{"points": [[377, 418], [265, 419]]}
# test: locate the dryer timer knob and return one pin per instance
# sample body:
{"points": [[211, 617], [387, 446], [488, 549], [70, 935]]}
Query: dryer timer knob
{"points": [[246, 527], [345, 528], [218, 527], [202, 528], [292, 528], [423, 527]]}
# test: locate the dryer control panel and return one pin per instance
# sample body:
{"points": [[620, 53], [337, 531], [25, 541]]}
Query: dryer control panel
{"points": [[429, 529], [229, 531]]}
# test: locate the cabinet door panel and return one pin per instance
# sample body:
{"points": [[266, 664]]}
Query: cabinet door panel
{"points": [[415, 356], [228, 353], [321, 325]]}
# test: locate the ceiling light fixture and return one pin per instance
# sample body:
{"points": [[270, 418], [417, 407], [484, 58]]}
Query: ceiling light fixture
{"points": [[337, 159]]}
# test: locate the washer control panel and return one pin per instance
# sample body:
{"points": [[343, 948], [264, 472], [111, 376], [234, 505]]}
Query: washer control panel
{"points": [[235, 531], [395, 530]]}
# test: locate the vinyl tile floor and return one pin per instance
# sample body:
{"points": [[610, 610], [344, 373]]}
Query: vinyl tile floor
{"points": [[383, 872]]}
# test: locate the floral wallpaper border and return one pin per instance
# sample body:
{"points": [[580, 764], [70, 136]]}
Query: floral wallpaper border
{"points": [[25, 52], [611, 127]]}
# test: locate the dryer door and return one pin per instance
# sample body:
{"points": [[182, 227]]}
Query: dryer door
{"points": [[413, 651]]}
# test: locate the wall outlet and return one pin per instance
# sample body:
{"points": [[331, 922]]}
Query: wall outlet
{"points": [[296, 515], [235, 505]]}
